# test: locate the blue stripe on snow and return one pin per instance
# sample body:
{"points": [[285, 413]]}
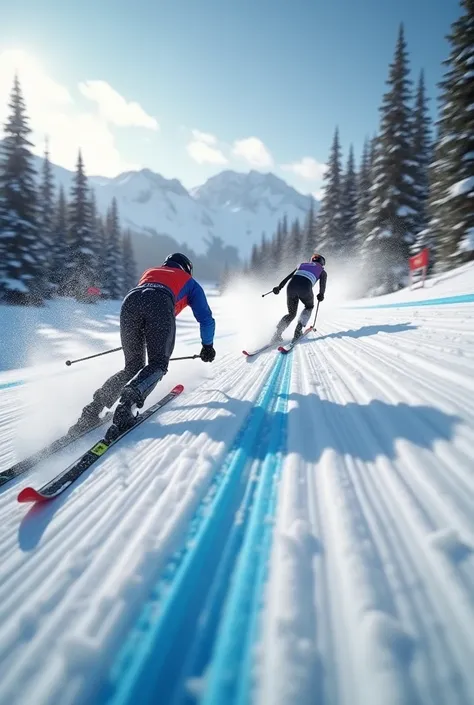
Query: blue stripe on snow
{"points": [[458, 299], [230, 678], [150, 665], [10, 385]]}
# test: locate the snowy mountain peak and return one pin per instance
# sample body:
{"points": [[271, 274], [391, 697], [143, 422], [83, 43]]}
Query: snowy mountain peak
{"points": [[253, 191], [235, 207]]}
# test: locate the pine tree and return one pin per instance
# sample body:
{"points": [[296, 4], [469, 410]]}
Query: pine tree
{"points": [[46, 216], [60, 241], [422, 158], [349, 207], [278, 255], [21, 274], [113, 270], [330, 215], [363, 190], [391, 221], [81, 267], [130, 277], [310, 233], [452, 199]]}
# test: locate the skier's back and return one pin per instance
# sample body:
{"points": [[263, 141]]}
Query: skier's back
{"points": [[300, 288]]}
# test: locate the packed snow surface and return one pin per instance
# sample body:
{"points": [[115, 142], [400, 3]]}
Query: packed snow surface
{"points": [[291, 529]]}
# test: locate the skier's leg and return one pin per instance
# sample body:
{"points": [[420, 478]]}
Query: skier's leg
{"points": [[160, 334], [307, 299], [133, 344], [292, 303], [159, 331]]}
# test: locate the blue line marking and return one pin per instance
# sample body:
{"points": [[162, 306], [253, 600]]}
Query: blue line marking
{"points": [[150, 663], [10, 385], [459, 299]]}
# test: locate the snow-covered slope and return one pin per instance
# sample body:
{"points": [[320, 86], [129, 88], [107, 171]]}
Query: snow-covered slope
{"points": [[292, 529], [235, 207]]}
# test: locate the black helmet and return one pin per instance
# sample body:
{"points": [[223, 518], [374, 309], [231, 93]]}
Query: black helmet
{"points": [[318, 258], [181, 261]]}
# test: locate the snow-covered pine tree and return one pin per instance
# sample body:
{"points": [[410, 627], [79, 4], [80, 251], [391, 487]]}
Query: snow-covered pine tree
{"points": [[330, 214], [310, 232], [97, 238], [277, 254], [46, 213], [60, 242], [81, 267], [21, 262], [130, 276], [363, 190], [349, 208], [113, 269], [422, 158], [390, 224], [454, 188]]}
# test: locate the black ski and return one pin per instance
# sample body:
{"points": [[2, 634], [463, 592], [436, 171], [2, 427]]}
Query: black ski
{"points": [[27, 463], [61, 482]]}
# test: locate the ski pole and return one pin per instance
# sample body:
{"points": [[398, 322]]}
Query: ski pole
{"points": [[268, 292], [71, 362], [315, 316], [172, 359]]}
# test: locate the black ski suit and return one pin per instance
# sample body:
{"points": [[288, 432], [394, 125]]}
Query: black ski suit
{"points": [[300, 288]]}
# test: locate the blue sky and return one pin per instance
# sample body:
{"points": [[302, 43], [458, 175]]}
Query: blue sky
{"points": [[207, 75]]}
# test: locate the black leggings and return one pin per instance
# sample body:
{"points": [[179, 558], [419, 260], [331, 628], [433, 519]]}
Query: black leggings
{"points": [[299, 289], [147, 325]]}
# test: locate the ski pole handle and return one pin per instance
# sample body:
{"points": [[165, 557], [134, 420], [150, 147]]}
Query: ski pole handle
{"points": [[89, 357]]}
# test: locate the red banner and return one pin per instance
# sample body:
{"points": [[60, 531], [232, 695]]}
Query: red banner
{"points": [[419, 261]]}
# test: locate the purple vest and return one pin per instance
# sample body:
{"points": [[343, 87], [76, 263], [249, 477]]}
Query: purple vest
{"points": [[311, 270]]}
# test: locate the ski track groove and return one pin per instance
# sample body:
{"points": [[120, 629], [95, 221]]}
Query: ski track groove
{"points": [[343, 570]]}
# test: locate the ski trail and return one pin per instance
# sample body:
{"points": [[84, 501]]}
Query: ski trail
{"points": [[388, 526], [173, 637]]}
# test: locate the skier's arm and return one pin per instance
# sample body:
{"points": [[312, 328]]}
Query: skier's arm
{"points": [[285, 280], [322, 285], [202, 312]]}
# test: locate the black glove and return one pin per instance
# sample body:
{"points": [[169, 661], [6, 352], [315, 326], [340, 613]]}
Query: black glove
{"points": [[276, 289], [208, 353], [320, 297]]}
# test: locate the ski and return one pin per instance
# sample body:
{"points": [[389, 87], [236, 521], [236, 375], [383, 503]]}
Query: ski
{"points": [[27, 463], [285, 349], [61, 482], [258, 350]]}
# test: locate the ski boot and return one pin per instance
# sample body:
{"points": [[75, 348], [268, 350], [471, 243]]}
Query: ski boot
{"points": [[124, 416], [298, 332], [88, 419]]}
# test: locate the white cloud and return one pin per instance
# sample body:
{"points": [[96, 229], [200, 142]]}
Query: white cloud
{"points": [[204, 137], [252, 150], [201, 149], [54, 112], [319, 195], [307, 168], [114, 108]]}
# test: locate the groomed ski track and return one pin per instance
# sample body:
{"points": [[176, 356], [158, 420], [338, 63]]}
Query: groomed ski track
{"points": [[294, 529]]}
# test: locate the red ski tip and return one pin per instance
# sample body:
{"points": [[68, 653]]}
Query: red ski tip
{"points": [[29, 494], [244, 352], [178, 389]]}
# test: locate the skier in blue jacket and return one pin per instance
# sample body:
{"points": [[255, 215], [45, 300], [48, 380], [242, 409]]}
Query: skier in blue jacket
{"points": [[300, 288]]}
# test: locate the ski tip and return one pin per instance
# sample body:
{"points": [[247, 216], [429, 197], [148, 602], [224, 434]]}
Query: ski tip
{"points": [[282, 349], [178, 389], [244, 352], [29, 494]]}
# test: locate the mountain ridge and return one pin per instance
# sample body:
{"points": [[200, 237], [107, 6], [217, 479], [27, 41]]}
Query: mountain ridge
{"points": [[232, 207]]}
